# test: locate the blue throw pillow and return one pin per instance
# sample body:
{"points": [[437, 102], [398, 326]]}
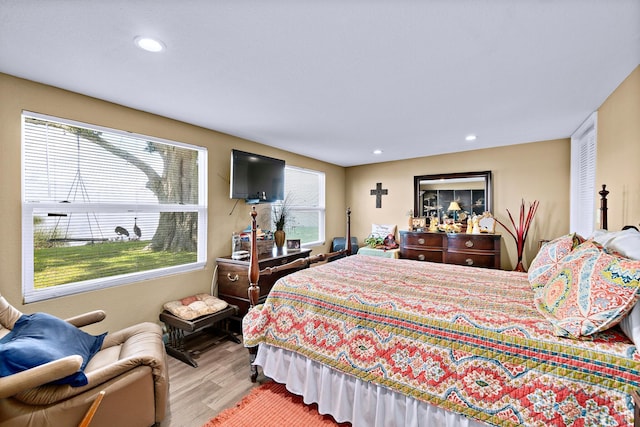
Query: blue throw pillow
{"points": [[40, 338]]}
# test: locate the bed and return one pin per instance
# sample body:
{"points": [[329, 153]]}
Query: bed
{"points": [[395, 342]]}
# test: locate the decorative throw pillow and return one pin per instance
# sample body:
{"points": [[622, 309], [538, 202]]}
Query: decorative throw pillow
{"points": [[546, 262], [195, 306], [383, 230], [626, 243], [40, 338], [590, 291]]}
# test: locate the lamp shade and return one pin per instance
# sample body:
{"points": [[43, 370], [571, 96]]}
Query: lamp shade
{"points": [[454, 206]]}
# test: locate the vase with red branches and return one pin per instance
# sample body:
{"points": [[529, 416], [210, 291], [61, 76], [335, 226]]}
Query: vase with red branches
{"points": [[521, 229]]}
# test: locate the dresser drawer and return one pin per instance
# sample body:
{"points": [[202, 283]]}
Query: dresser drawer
{"points": [[467, 241], [478, 250], [234, 280], [423, 255], [474, 260], [423, 239]]}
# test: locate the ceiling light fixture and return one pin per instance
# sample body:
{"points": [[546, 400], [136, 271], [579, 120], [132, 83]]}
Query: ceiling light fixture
{"points": [[470, 138], [149, 44], [377, 152]]}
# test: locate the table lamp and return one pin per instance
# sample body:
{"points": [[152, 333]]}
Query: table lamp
{"points": [[455, 207]]}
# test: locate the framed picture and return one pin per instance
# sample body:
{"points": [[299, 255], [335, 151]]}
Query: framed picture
{"points": [[293, 243], [487, 223], [418, 223]]}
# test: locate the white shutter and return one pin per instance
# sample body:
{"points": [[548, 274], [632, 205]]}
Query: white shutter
{"points": [[583, 176]]}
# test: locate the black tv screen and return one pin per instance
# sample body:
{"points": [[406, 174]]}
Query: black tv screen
{"points": [[256, 178]]}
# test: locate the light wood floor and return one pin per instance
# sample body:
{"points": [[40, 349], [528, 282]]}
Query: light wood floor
{"points": [[198, 394]]}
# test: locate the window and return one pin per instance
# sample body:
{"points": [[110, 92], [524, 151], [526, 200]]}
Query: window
{"points": [[583, 177], [304, 190], [103, 207]]}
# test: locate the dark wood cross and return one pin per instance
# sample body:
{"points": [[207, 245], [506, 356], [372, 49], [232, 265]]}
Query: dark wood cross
{"points": [[379, 192]]}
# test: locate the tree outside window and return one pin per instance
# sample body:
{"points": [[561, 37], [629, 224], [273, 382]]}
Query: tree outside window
{"points": [[104, 207]]}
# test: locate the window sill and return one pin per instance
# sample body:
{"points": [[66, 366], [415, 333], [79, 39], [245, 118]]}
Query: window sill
{"points": [[93, 285]]}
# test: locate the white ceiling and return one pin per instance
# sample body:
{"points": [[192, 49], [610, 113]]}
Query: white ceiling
{"points": [[332, 79]]}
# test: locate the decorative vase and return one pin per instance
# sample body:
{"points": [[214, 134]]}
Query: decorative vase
{"points": [[520, 266], [279, 237]]}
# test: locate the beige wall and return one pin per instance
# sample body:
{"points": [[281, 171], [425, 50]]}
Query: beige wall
{"points": [[617, 163], [534, 171], [141, 301], [538, 170]]}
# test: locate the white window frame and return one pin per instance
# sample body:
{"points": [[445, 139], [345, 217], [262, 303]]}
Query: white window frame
{"points": [[584, 142], [320, 209], [31, 207]]}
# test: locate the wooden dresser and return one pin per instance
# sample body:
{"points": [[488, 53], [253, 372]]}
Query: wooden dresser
{"points": [[478, 250], [233, 280]]}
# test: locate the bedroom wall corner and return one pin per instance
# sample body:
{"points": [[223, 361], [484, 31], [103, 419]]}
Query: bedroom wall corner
{"points": [[531, 171], [619, 152]]}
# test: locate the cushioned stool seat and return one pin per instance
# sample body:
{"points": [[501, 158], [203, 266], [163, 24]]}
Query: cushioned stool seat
{"points": [[180, 317], [195, 306]]}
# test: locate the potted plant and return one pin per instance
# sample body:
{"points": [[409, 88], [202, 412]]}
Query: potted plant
{"points": [[374, 241], [521, 230], [280, 216]]}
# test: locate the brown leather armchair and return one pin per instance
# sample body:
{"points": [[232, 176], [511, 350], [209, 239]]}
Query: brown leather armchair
{"points": [[130, 368]]}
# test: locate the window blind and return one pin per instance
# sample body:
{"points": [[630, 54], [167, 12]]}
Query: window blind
{"points": [[105, 207]]}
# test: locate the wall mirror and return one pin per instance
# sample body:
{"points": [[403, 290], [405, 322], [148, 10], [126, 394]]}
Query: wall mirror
{"points": [[452, 195]]}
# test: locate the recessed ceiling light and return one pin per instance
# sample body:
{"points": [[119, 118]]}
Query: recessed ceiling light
{"points": [[149, 44], [470, 138], [377, 152]]}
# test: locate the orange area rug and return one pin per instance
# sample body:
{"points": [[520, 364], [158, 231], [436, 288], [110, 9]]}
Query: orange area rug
{"points": [[271, 405]]}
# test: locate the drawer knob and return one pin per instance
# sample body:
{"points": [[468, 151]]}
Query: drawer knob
{"points": [[469, 261], [468, 244], [421, 241], [421, 257], [233, 278]]}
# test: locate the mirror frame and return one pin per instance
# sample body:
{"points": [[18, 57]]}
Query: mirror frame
{"points": [[486, 175]]}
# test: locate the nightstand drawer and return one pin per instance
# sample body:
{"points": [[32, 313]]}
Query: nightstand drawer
{"points": [[233, 276], [234, 280]]}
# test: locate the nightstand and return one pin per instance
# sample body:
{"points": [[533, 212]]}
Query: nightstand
{"points": [[233, 280]]}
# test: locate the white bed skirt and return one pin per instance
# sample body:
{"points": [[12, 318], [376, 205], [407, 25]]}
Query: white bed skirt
{"points": [[347, 398]]}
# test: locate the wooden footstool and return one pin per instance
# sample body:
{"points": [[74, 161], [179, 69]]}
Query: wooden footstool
{"points": [[179, 344]]}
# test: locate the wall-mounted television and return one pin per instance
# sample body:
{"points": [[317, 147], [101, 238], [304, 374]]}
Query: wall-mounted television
{"points": [[256, 178]]}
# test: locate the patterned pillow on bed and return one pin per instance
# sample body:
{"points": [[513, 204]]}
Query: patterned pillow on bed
{"points": [[590, 291], [546, 262]]}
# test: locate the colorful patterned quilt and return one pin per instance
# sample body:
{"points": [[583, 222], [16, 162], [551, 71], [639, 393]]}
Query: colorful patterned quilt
{"points": [[466, 339]]}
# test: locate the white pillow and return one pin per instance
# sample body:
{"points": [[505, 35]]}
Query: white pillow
{"points": [[625, 242], [630, 325], [601, 236], [383, 230]]}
